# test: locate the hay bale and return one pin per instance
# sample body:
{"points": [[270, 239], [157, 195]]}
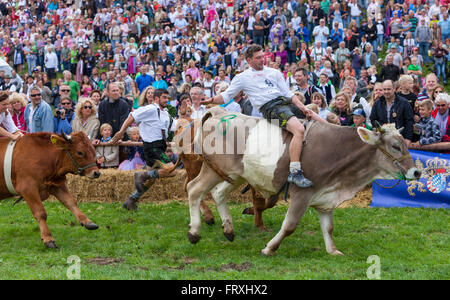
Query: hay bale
{"points": [[117, 186]]}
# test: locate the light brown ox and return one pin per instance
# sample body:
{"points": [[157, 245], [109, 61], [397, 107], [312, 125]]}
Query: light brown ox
{"points": [[40, 163], [185, 132], [339, 160]]}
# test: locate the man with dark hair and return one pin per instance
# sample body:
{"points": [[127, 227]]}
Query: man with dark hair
{"points": [[301, 77], [390, 71], [391, 108], [269, 93], [154, 125]]}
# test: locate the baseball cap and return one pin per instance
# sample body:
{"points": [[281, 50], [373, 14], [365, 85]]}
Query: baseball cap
{"points": [[359, 112]]}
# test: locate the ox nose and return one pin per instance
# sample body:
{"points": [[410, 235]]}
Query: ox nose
{"points": [[97, 174], [417, 174]]}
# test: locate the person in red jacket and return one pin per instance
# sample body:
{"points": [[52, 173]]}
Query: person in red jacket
{"points": [[441, 115]]}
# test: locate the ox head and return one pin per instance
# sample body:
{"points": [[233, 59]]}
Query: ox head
{"points": [[395, 160], [80, 153]]}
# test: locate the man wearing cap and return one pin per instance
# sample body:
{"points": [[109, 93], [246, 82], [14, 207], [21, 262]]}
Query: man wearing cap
{"points": [[397, 58]]}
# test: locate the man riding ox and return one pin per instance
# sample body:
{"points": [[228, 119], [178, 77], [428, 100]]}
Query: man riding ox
{"points": [[35, 167], [269, 93], [339, 160]]}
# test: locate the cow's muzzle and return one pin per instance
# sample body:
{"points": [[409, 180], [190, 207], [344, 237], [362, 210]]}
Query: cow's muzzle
{"points": [[94, 174], [413, 174]]}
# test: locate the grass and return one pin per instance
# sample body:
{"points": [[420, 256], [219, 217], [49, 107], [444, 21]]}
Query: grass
{"points": [[412, 243]]}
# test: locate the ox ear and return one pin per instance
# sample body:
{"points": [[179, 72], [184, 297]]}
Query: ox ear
{"points": [[368, 136], [59, 141]]}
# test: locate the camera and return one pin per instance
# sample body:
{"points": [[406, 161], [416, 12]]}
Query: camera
{"points": [[59, 111]]}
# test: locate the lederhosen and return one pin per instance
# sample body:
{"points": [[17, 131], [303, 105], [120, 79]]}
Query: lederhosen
{"points": [[155, 150], [282, 109]]}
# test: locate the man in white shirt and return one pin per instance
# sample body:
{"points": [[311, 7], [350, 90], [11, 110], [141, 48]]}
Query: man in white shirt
{"points": [[197, 95], [51, 64], [321, 33], [268, 92], [154, 125]]}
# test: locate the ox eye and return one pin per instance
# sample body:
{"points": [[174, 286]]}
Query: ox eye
{"points": [[397, 148], [80, 153]]}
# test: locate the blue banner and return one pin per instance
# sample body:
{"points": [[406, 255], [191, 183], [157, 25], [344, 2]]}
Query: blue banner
{"points": [[432, 190]]}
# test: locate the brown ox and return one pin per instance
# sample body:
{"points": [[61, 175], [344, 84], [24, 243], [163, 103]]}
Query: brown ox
{"points": [[40, 163], [339, 160], [185, 131]]}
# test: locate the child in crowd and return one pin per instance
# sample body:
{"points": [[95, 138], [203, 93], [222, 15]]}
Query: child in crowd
{"points": [[135, 159], [429, 131], [107, 156], [359, 119], [333, 119]]}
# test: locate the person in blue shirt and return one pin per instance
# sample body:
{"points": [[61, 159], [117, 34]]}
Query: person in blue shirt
{"points": [[64, 116], [303, 33], [42, 116], [159, 83], [144, 80]]}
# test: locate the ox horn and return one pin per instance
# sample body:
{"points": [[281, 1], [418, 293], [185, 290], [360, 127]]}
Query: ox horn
{"points": [[66, 137], [379, 128]]}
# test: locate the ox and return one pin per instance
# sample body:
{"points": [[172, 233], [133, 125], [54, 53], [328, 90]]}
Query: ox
{"points": [[339, 160], [40, 162], [193, 163]]}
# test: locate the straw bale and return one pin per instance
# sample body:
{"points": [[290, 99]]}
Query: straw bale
{"points": [[117, 186]]}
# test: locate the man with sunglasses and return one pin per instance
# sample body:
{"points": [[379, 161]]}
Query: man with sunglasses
{"points": [[64, 116], [38, 113]]}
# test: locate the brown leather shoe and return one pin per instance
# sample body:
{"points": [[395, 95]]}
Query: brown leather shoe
{"points": [[130, 204]]}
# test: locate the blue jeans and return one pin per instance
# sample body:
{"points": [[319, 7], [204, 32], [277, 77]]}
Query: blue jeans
{"points": [[423, 50], [31, 64], [259, 40], [440, 70]]}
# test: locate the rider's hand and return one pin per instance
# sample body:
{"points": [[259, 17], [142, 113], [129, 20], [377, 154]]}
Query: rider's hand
{"points": [[206, 101], [116, 138]]}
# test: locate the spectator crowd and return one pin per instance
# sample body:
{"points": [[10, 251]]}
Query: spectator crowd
{"points": [[85, 65]]}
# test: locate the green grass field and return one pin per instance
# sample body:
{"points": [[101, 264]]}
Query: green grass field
{"points": [[411, 243]]}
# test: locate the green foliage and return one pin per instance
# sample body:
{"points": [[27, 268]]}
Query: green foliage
{"points": [[152, 244]]}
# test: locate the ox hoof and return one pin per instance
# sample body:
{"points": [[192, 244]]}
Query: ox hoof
{"points": [[229, 236], [336, 253], [267, 252], [210, 221], [51, 245], [194, 239], [91, 226]]}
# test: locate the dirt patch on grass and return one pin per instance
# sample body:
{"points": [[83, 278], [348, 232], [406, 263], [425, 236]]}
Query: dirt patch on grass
{"points": [[104, 261], [237, 267], [362, 199]]}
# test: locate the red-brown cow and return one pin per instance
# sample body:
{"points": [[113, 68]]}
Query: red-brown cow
{"points": [[40, 162]]}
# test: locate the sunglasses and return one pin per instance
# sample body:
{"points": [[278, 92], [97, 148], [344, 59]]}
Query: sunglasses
{"points": [[87, 107], [65, 90], [441, 105], [65, 103], [35, 95]]}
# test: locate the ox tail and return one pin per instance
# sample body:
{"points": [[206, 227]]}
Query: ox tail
{"points": [[216, 169], [171, 169]]}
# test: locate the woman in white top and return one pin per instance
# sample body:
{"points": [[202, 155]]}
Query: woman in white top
{"points": [[8, 128]]}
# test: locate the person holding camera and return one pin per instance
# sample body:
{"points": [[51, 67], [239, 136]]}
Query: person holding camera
{"points": [[64, 116]]}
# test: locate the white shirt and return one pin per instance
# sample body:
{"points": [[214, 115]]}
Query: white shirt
{"points": [[321, 31], [198, 114], [51, 60], [260, 86], [150, 124], [7, 122]]}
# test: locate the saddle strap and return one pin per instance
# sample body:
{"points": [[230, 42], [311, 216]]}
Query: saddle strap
{"points": [[7, 165]]}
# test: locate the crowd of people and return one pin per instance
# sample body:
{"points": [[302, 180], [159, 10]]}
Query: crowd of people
{"points": [[91, 65]]}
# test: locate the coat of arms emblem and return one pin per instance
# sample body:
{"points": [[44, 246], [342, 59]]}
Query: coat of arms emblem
{"points": [[435, 171]]}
